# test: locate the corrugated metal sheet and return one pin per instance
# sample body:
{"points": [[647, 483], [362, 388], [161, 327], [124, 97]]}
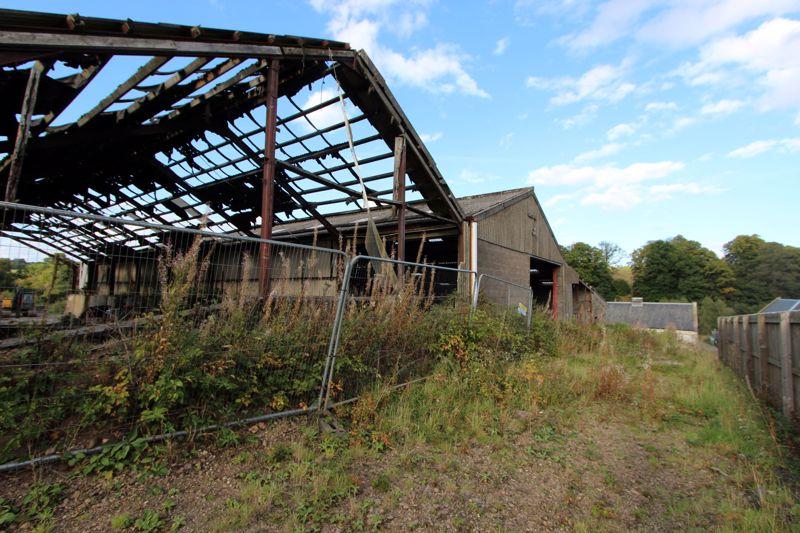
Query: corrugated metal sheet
{"points": [[652, 315]]}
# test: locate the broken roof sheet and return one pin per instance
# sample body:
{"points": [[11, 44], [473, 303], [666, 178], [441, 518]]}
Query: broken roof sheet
{"points": [[165, 123]]}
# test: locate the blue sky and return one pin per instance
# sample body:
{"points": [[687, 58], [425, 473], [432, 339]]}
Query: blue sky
{"points": [[634, 119]]}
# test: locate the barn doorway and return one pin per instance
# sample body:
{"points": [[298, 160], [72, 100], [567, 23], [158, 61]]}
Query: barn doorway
{"points": [[543, 273]]}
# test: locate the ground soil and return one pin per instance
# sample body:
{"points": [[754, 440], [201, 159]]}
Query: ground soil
{"points": [[603, 472]]}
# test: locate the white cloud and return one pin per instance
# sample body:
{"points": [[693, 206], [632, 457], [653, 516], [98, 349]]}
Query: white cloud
{"points": [[685, 23], [440, 69], [620, 130], [674, 23], [585, 115], [603, 176], [473, 177], [558, 198], [669, 190], [506, 140], [722, 107], [604, 151], [607, 186], [328, 115], [681, 123], [768, 55], [783, 146], [601, 83], [661, 106], [614, 19], [431, 137], [501, 46]]}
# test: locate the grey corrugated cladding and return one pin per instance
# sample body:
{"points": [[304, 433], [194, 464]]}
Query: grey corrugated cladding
{"points": [[779, 305], [652, 315]]}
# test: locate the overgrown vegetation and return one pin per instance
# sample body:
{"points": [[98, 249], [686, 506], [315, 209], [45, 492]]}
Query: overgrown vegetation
{"points": [[518, 405], [632, 430], [198, 360]]}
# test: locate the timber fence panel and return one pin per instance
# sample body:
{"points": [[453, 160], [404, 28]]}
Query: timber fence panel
{"points": [[764, 349], [134, 327]]}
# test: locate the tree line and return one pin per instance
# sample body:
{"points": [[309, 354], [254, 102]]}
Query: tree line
{"points": [[751, 273]]}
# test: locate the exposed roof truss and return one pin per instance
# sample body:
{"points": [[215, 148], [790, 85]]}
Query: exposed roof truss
{"points": [[166, 123]]}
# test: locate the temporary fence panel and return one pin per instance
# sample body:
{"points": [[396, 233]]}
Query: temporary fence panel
{"points": [[388, 319], [150, 328], [510, 298], [118, 326]]}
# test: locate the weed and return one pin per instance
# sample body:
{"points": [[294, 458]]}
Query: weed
{"points": [[121, 521], [280, 453], [227, 438], [149, 521], [382, 483]]}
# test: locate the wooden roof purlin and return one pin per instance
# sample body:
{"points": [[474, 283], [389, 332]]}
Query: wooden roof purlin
{"points": [[179, 139]]}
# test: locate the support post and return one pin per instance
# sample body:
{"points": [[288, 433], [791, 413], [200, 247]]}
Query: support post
{"points": [[746, 344], [23, 131], [763, 355], [555, 293], [399, 195], [268, 177], [473, 255], [736, 356], [787, 366]]}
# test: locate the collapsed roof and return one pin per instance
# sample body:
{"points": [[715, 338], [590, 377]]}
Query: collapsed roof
{"points": [[167, 123]]}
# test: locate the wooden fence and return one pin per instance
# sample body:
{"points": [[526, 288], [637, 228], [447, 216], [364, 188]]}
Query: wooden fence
{"points": [[765, 350]]}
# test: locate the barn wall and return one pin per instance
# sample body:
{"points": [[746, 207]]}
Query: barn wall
{"points": [[522, 227], [504, 263], [508, 238]]}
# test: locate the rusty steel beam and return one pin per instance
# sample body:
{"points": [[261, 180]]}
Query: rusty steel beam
{"points": [[268, 177], [23, 131]]}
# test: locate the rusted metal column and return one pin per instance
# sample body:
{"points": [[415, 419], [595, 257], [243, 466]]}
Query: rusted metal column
{"points": [[268, 177], [23, 131], [399, 195], [555, 293]]}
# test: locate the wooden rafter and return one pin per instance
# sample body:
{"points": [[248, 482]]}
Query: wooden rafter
{"points": [[23, 131], [280, 178], [143, 72]]}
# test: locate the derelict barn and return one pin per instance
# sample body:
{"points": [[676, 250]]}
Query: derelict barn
{"points": [[235, 133]]}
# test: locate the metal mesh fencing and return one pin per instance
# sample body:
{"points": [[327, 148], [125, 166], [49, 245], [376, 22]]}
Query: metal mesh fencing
{"points": [[509, 299], [388, 319], [113, 326]]}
